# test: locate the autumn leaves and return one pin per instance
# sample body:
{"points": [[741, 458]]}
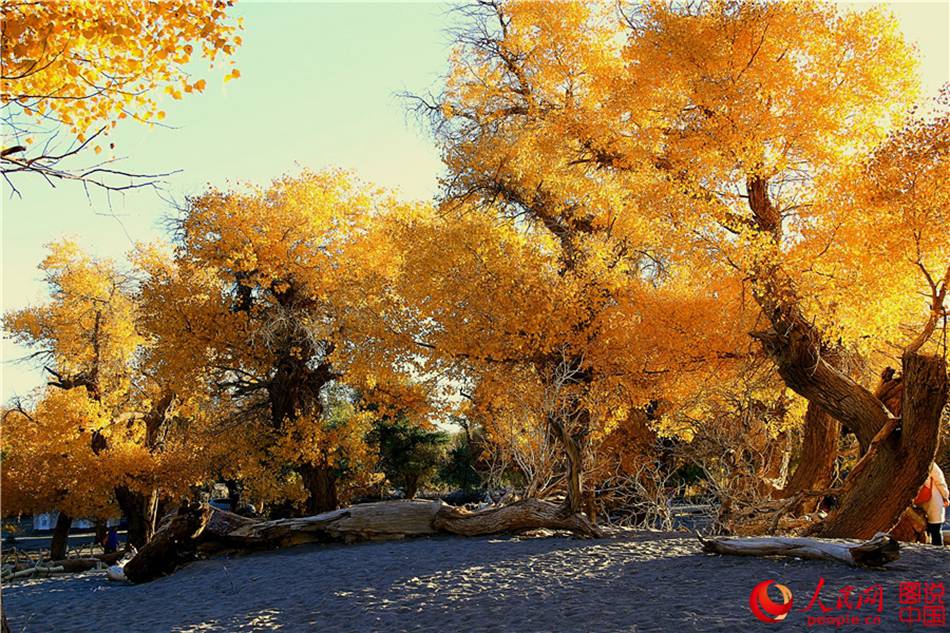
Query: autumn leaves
{"points": [[628, 196]]}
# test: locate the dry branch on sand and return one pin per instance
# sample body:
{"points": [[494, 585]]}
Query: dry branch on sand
{"points": [[203, 529], [42, 567], [874, 552]]}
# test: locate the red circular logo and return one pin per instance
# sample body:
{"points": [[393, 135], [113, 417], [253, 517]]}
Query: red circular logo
{"points": [[764, 608]]}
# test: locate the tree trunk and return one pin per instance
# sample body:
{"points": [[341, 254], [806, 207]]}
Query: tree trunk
{"points": [[875, 552], [575, 467], [791, 344], [912, 527], [816, 462], [412, 486], [320, 482], [896, 453], [528, 514], [101, 531], [57, 549], [140, 513], [203, 529], [235, 489], [590, 506], [774, 464], [884, 482]]}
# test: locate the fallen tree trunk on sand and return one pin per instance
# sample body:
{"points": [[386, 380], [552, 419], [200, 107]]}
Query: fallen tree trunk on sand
{"points": [[202, 529], [64, 566], [875, 552]]}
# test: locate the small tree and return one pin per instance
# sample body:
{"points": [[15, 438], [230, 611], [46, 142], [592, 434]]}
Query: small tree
{"points": [[458, 469], [408, 454]]}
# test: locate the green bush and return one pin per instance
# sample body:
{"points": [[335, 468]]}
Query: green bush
{"points": [[409, 455]]}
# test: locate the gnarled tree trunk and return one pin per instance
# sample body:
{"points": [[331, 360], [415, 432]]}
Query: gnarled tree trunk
{"points": [[203, 529], [896, 452], [886, 479], [575, 466]]}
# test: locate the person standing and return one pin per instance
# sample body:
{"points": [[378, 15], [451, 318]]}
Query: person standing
{"points": [[936, 505]]}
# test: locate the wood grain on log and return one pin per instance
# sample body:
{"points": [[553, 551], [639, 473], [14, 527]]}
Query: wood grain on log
{"points": [[202, 529], [525, 515], [875, 552]]}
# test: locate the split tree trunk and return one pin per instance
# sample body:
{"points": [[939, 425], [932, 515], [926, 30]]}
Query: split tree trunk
{"points": [[876, 552], [57, 549], [886, 479], [203, 529], [896, 453], [912, 527]]}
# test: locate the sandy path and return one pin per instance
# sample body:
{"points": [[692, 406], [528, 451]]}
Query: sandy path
{"points": [[634, 582]]}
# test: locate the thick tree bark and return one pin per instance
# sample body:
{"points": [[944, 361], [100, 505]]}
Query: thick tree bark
{"points": [[883, 483], [525, 515], [57, 549], [203, 529], [173, 544], [140, 513], [911, 528], [320, 482], [896, 453], [816, 462], [792, 344], [411, 486], [876, 552]]}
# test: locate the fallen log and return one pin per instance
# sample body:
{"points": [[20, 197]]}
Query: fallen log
{"points": [[530, 514], [73, 565], [874, 552], [200, 529], [32, 572]]}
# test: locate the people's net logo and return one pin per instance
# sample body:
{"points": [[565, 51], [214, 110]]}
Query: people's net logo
{"points": [[766, 609], [918, 603]]}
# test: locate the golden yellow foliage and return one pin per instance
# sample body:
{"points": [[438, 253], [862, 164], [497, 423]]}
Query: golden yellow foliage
{"points": [[87, 64], [105, 419]]}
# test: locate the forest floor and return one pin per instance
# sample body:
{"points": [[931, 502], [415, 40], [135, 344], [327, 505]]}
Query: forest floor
{"points": [[635, 581]]}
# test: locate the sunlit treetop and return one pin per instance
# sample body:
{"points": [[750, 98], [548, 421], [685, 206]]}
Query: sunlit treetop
{"points": [[643, 130], [86, 332]]}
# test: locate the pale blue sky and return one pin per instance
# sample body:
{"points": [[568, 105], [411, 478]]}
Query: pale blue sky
{"points": [[317, 89]]}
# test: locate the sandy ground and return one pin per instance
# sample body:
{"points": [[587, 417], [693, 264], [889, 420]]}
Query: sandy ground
{"points": [[632, 582]]}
